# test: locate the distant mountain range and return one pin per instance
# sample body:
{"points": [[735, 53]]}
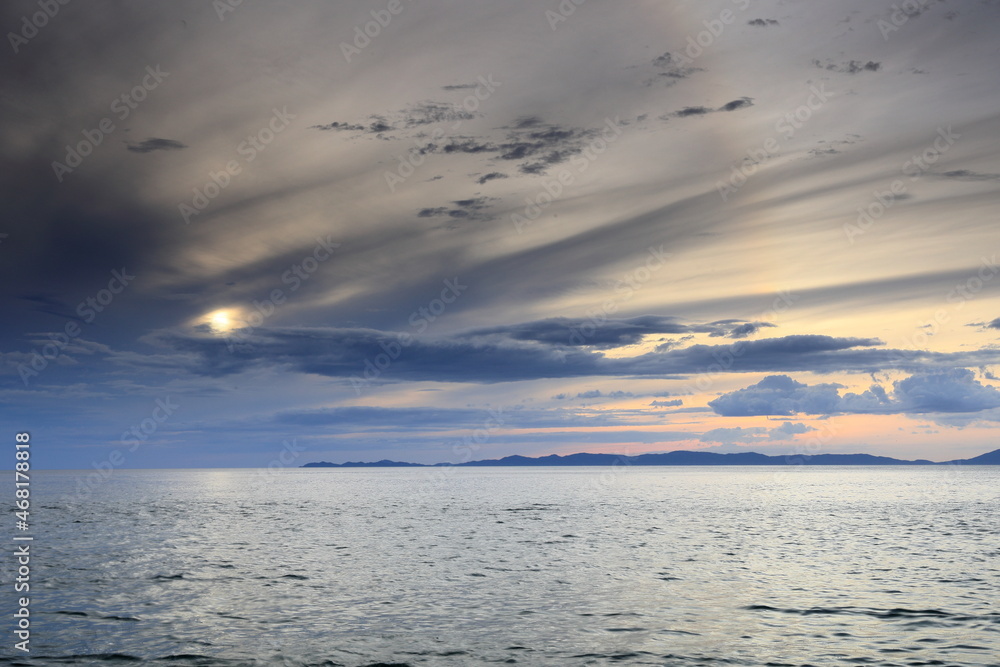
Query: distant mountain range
{"points": [[679, 458]]}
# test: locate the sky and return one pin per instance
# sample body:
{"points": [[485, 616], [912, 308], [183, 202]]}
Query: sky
{"points": [[269, 233]]}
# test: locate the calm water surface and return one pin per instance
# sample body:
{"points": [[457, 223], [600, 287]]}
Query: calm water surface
{"points": [[528, 566]]}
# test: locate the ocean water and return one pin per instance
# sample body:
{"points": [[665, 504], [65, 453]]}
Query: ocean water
{"points": [[526, 566]]}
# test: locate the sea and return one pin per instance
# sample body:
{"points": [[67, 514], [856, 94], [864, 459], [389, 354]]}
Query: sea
{"points": [[792, 565]]}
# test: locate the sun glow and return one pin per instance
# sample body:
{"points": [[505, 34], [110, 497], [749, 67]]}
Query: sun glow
{"points": [[222, 321]]}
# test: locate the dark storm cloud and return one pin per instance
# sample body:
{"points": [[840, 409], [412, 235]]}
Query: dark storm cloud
{"points": [[948, 390], [489, 359], [155, 144], [615, 333], [569, 331], [66, 239], [52, 306]]}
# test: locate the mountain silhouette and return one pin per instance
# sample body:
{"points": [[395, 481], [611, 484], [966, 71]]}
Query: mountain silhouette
{"points": [[678, 458]]}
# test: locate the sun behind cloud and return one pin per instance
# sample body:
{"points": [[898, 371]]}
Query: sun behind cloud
{"points": [[222, 321]]}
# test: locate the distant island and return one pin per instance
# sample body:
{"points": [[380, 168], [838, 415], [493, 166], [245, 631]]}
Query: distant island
{"points": [[678, 458]]}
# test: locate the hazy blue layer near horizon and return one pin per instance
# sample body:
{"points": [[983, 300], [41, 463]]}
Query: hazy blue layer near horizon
{"points": [[530, 566]]}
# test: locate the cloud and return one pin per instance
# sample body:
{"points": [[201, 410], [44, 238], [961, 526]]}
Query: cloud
{"points": [[597, 393], [340, 127], [432, 212], [956, 390], [492, 176], [778, 395], [583, 332], [686, 112], [733, 435], [377, 418], [738, 328], [467, 145], [968, 175], [692, 111], [155, 144], [674, 67], [952, 390], [667, 404], [467, 209], [849, 67], [428, 113], [615, 333], [787, 430], [529, 138], [487, 358], [379, 125], [741, 103], [745, 435]]}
